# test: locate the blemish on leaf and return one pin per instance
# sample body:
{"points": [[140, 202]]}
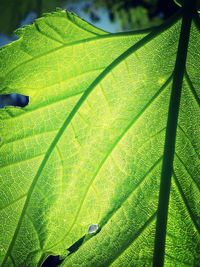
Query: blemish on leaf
{"points": [[15, 100], [76, 245], [52, 261], [93, 228]]}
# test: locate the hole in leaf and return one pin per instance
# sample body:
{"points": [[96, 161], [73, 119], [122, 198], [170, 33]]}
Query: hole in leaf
{"points": [[76, 245], [52, 261], [15, 100], [93, 229]]}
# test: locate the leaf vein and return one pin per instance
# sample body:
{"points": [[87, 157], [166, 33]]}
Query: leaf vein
{"points": [[118, 60], [192, 217], [130, 125], [182, 163]]}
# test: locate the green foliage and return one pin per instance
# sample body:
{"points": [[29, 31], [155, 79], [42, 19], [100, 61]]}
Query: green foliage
{"points": [[90, 146], [136, 18], [130, 14]]}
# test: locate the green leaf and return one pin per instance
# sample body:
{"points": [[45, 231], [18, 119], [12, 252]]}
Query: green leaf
{"points": [[91, 146]]}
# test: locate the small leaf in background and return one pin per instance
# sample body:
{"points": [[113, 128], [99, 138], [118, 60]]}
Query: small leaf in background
{"points": [[13, 12]]}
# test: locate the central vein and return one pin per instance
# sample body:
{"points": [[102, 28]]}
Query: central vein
{"points": [[170, 138]]}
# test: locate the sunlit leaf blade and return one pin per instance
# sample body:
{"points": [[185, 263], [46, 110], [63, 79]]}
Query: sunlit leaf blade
{"points": [[183, 236], [88, 149], [53, 62]]}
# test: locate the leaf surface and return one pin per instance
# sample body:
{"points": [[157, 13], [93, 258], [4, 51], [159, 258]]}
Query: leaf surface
{"points": [[89, 147]]}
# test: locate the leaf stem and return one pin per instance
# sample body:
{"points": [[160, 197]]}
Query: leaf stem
{"points": [[39, 8], [188, 10]]}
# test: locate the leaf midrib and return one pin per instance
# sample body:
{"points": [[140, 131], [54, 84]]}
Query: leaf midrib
{"points": [[124, 55], [170, 138]]}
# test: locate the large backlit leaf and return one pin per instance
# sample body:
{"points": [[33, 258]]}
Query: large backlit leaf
{"points": [[89, 147]]}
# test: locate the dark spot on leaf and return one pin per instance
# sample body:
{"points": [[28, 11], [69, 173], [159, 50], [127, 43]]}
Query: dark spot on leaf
{"points": [[76, 245], [52, 261], [15, 100]]}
